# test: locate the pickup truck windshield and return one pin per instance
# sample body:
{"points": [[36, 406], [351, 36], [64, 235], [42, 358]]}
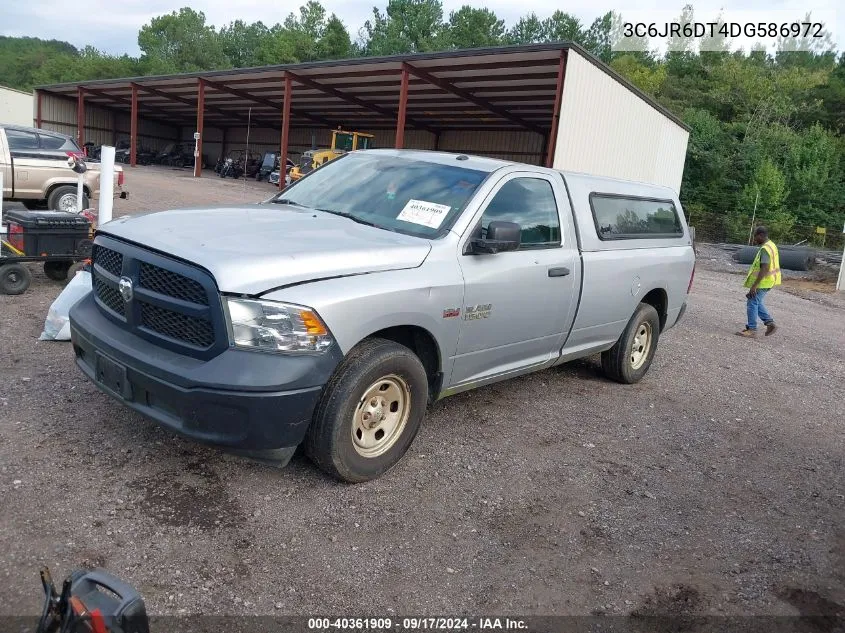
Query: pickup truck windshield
{"points": [[398, 194]]}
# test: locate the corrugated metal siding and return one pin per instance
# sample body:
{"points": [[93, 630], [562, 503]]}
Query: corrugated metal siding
{"points": [[16, 107], [151, 134], [301, 139], [58, 114], [607, 130], [103, 126], [518, 146]]}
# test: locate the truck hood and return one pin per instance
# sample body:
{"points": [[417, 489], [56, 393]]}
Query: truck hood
{"points": [[253, 249]]}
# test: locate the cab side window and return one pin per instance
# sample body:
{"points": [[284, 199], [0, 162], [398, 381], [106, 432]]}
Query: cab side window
{"points": [[48, 141], [530, 202], [18, 140]]}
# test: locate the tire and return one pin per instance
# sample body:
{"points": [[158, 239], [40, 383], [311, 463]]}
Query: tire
{"points": [[64, 199], [75, 268], [57, 270], [14, 279], [622, 362], [372, 367]]}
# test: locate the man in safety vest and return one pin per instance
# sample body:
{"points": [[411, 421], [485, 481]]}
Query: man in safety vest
{"points": [[763, 275]]}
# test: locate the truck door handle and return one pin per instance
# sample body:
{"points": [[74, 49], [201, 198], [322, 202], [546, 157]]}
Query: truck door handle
{"points": [[563, 271]]}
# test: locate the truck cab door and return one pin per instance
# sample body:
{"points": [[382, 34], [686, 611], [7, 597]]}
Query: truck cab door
{"points": [[518, 305]]}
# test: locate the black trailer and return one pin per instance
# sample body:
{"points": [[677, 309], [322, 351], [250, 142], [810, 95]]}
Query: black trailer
{"points": [[56, 238]]}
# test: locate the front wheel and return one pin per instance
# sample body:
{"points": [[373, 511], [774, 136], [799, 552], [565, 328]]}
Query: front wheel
{"points": [[369, 413], [629, 359]]}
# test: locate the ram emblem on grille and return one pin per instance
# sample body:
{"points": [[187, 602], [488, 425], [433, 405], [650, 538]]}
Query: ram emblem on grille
{"points": [[125, 287]]}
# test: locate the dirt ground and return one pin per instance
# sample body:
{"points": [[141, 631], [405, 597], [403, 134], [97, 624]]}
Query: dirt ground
{"points": [[715, 486]]}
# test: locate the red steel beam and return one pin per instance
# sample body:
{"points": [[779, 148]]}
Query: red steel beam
{"points": [[403, 106], [225, 113], [283, 154], [38, 96], [310, 83], [128, 102], [133, 128], [552, 138], [468, 96], [80, 116], [250, 97], [200, 113]]}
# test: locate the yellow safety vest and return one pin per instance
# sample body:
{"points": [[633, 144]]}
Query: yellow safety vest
{"points": [[772, 277]]}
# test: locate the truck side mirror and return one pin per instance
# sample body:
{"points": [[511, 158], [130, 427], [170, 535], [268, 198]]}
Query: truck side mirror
{"points": [[501, 236]]}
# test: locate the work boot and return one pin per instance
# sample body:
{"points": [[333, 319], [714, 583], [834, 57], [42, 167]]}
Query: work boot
{"points": [[747, 333], [770, 328]]}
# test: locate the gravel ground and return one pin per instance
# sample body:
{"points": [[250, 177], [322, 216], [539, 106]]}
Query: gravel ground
{"points": [[713, 486]]}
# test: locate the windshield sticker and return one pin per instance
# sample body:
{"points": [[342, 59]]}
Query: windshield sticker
{"points": [[428, 214]]}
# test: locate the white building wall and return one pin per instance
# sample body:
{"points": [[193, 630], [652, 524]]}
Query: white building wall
{"points": [[608, 130], [16, 107]]}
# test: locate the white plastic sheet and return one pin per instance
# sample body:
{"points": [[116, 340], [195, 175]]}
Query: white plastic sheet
{"points": [[57, 326]]}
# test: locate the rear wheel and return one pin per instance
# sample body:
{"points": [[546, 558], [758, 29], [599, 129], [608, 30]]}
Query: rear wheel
{"points": [[64, 199], [369, 413], [629, 359], [57, 270], [14, 279]]}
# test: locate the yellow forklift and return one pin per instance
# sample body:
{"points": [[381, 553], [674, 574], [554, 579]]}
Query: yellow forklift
{"points": [[342, 142]]}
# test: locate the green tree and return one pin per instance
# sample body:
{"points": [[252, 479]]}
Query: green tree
{"points": [[22, 58], [647, 78], [562, 27], [241, 43], [528, 30], [180, 42], [334, 42], [768, 190], [407, 26], [598, 38], [469, 27]]}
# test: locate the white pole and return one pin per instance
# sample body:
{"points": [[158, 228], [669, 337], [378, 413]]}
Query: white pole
{"points": [[840, 283], [79, 192], [2, 230], [106, 184]]}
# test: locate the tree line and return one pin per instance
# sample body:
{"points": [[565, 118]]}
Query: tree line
{"points": [[766, 129]]}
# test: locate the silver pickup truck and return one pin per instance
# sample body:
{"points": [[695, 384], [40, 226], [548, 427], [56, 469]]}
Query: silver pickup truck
{"points": [[333, 313]]}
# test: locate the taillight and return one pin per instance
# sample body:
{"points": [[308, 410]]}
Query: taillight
{"points": [[691, 277], [120, 175], [16, 236]]}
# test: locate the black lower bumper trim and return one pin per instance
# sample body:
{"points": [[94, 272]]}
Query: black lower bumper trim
{"points": [[252, 423], [247, 402]]}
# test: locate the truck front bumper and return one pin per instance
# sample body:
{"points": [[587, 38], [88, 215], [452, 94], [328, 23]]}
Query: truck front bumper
{"points": [[245, 402]]}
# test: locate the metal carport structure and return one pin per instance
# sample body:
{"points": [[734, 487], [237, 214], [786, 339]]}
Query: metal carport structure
{"points": [[416, 101]]}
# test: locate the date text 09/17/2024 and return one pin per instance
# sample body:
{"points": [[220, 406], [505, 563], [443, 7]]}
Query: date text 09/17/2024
{"points": [[417, 624]]}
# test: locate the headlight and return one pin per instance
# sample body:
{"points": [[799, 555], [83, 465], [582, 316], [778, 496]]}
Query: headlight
{"points": [[275, 327]]}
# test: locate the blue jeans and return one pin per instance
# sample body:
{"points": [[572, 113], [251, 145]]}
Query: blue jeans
{"points": [[757, 309]]}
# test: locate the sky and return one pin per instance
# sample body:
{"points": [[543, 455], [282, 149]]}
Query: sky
{"points": [[113, 26]]}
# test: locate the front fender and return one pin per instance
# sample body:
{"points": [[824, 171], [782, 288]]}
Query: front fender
{"points": [[356, 307]]}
